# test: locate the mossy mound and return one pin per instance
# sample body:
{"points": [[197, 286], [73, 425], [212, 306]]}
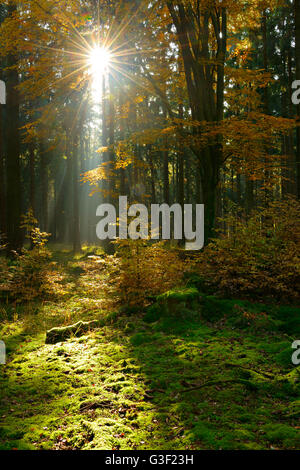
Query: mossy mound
{"points": [[174, 303], [57, 335]]}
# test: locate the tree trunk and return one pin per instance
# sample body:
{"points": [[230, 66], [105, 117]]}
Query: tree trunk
{"points": [[76, 219], [13, 196], [2, 180], [122, 173], [152, 175], [205, 89], [64, 201], [32, 177], [180, 157], [297, 36], [165, 157], [108, 139], [44, 189]]}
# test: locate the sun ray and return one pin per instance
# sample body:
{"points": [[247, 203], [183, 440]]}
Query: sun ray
{"points": [[84, 41], [132, 79], [61, 51], [96, 54], [66, 77], [125, 25]]}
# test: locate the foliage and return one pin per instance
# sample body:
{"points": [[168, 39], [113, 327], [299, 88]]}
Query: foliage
{"points": [[140, 270], [259, 257], [31, 275], [37, 238]]}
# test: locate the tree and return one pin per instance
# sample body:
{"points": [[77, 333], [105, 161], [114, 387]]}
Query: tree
{"points": [[13, 181], [297, 36]]}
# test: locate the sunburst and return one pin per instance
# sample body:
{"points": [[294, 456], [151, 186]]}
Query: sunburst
{"points": [[91, 57], [99, 61]]}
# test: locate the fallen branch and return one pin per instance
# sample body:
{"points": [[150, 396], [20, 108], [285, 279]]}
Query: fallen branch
{"points": [[256, 377], [212, 383]]}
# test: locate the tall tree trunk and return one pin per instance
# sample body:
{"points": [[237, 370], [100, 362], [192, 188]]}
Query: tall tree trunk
{"points": [[13, 179], [165, 156], [290, 146], [76, 218], [210, 175], [265, 59], [111, 124], [44, 189], [64, 200], [180, 157], [122, 173], [152, 175], [249, 197], [205, 88], [166, 181], [266, 91], [2, 179], [107, 139], [32, 177], [297, 36]]}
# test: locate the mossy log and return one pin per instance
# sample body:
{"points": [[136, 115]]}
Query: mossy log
{"points": [[57, 335]]}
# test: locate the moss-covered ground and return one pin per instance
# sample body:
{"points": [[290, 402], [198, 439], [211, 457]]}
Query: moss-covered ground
{"points": [[193, 372]]}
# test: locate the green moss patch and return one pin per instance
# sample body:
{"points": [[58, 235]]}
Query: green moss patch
{"points": [[192, 372]]}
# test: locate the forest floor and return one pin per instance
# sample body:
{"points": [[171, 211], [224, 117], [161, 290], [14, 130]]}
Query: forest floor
{"points": [[129, 384]]}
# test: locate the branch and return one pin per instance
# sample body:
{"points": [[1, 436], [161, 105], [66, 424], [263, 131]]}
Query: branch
{"points": [[212, 383]]}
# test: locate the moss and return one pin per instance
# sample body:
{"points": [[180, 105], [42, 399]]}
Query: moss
{"points": [[56, 335], [179, 295], [176, 304], [140, 338], [213, 309], [279, 433], [204, 433], [124, 386], [154, 313], [292, 410], [284, 357], [8, 433]]}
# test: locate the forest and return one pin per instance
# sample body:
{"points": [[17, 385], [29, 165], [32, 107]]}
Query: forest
{"points": [[149, 225]]}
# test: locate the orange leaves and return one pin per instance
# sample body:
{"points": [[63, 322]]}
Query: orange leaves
{"points": [[259, 257], [102, 172], [140, 270], [103, 150], [31, 277], [248, 140]]}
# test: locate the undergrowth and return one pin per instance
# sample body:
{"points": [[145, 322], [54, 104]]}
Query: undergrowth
{"points": [[175, 375]]}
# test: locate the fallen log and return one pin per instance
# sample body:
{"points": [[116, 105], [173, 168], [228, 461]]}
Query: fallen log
{"points": [[57, 335]]}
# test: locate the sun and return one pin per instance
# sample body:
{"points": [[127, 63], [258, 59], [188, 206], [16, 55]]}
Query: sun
{"points": [[99, 61]]}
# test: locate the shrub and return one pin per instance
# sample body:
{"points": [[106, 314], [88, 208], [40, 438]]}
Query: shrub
{"points": [[139, 271], [31, 274], [259, 257]]}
